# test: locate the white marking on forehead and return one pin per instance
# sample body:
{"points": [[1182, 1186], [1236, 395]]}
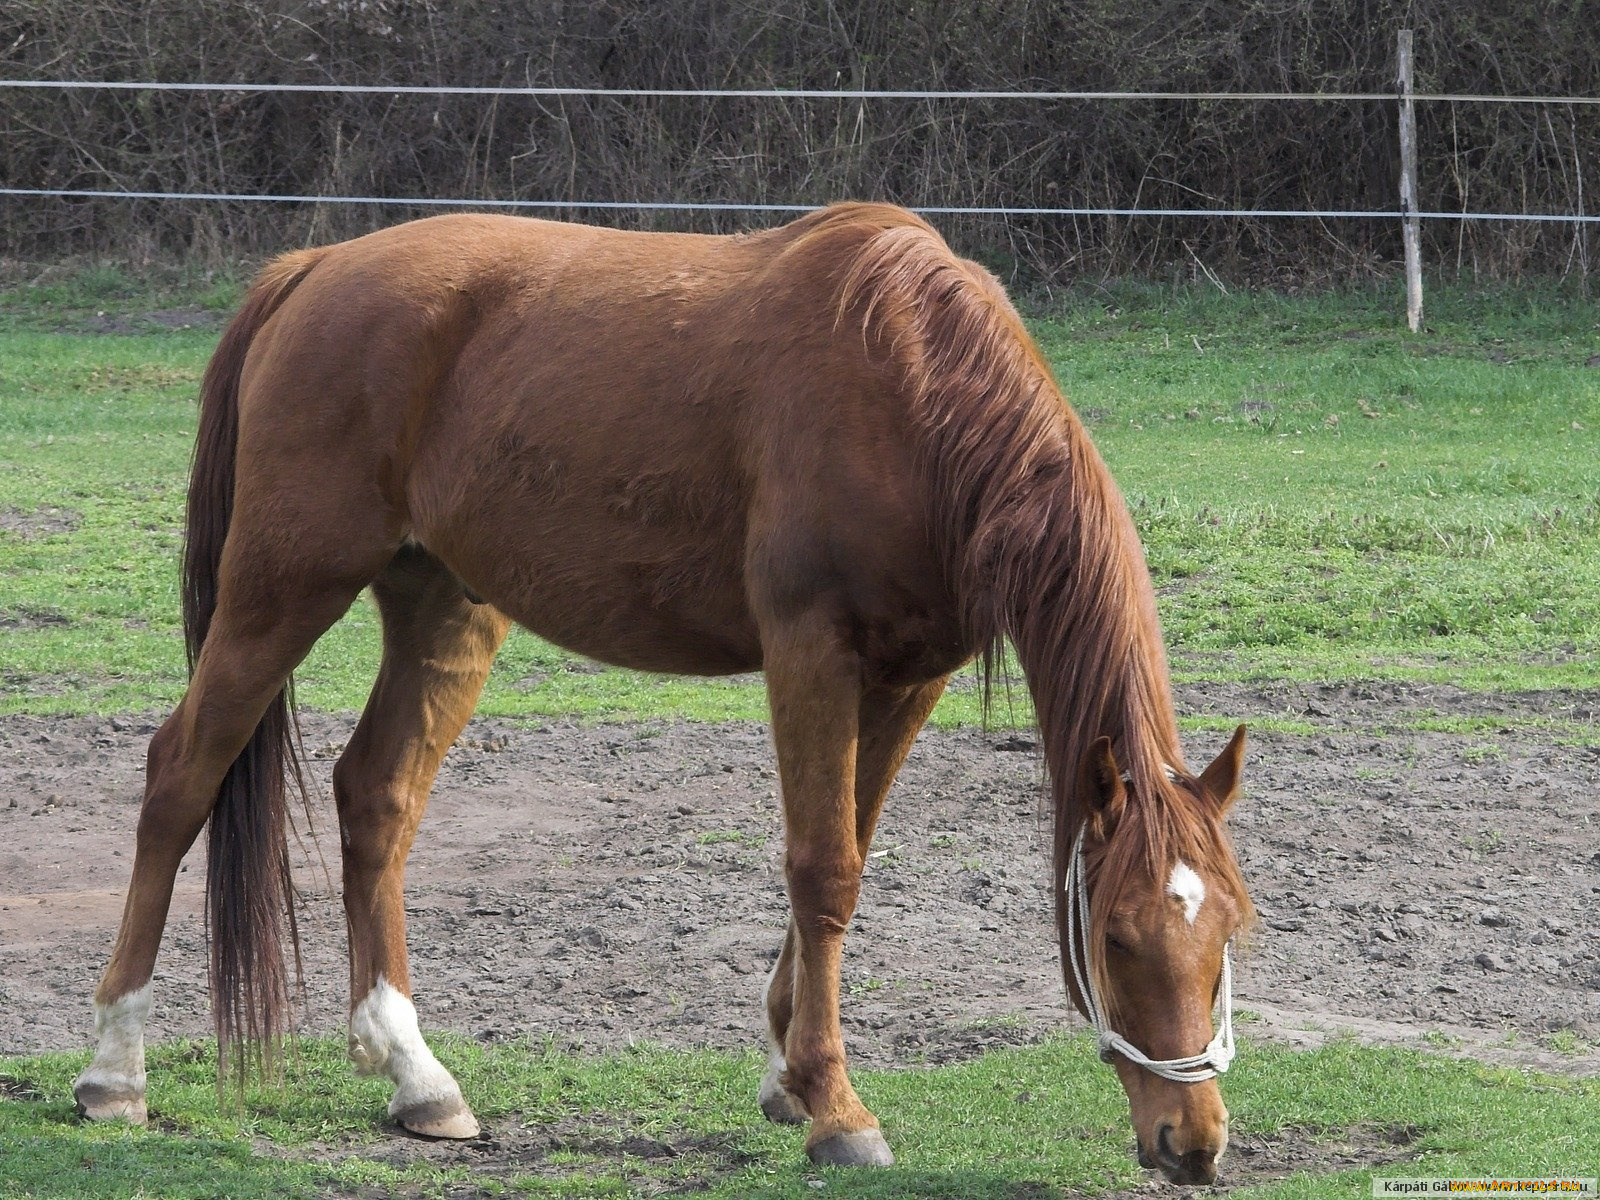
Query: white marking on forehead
{"points": [[1188, 887]]}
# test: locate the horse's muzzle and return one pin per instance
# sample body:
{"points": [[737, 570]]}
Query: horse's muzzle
{"points": [[1194, 1167]]}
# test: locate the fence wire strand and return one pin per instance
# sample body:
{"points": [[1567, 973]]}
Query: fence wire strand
{"points": [[767, 93], [716, 206]]}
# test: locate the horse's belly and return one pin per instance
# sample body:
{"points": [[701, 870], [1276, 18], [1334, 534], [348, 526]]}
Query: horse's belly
{"points": [[674, 605], [601, 616]]}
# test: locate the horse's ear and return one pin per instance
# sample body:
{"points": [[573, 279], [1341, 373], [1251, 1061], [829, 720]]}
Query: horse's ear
{"points": [[1102, 789], [1223, 777]]}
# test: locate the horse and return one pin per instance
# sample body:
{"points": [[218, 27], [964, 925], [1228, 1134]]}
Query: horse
{"points": [[829, 451]]}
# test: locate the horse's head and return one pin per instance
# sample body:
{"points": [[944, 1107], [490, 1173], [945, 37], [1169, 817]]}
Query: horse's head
{"points": [[1148, 914]]}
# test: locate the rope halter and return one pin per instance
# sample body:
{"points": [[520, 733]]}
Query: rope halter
{"points": [[1209, 1063]]}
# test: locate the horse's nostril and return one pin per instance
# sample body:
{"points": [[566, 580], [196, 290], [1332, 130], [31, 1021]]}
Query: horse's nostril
{"points": [[1199, 1166], [1196, 1166], [1164, 1143]]}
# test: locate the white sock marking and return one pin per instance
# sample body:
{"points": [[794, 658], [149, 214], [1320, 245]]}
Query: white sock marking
{"points": [[384, 1039], [776, 1063], [1188, 887], [119, 1051]]}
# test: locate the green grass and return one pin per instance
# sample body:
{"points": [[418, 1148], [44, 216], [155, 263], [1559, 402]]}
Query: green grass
{"points": [[1323, 495], [1017, 1123], [1454, 534]]}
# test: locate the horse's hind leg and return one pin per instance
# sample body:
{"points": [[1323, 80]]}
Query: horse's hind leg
{"points": [[437, 650], [889, 721], [268, 616]]}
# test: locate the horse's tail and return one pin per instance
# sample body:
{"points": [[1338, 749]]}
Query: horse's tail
{"points": [[249, 892]]}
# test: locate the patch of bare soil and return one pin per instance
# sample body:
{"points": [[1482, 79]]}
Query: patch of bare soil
{"points": [[617, 882], [512, 1149], [156, 320], [1255, 1159], [1379, 705], [15, 1089], [39, 522], [25, 617]]}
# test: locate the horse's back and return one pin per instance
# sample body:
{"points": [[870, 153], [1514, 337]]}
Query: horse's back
{"points": [[594, 427]]}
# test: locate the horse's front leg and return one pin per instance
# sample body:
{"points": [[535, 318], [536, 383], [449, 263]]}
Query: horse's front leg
{"points": [[814, 687], [888, 722]]}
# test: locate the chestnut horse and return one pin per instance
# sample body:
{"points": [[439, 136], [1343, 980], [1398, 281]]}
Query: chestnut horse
{"points": [[828, 451]]}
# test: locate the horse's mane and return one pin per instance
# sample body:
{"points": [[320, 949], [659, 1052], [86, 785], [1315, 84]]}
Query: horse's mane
{"points": [[1039, 547]]}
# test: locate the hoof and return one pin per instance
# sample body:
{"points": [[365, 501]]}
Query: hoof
{"points": [[439, 1119], [97, 1102], [859, 1148], [781, 1106]]}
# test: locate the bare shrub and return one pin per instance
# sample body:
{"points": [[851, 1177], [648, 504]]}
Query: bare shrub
{"points": [[1162, 154]]}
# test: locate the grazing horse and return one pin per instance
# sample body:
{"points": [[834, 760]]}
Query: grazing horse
{"points": [[828, 451]]}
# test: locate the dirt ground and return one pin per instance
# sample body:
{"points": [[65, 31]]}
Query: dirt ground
{"points": [[608, 883], [517, 1150]]}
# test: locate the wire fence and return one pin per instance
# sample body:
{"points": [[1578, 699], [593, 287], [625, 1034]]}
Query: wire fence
{"points": [[770, 195], [843, 94]]}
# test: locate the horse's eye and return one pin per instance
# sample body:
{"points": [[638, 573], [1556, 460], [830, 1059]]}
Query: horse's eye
{"points": [[1117, 944]]}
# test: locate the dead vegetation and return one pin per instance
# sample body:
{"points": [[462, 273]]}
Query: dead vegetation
{"points": [[1190, 154]]}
